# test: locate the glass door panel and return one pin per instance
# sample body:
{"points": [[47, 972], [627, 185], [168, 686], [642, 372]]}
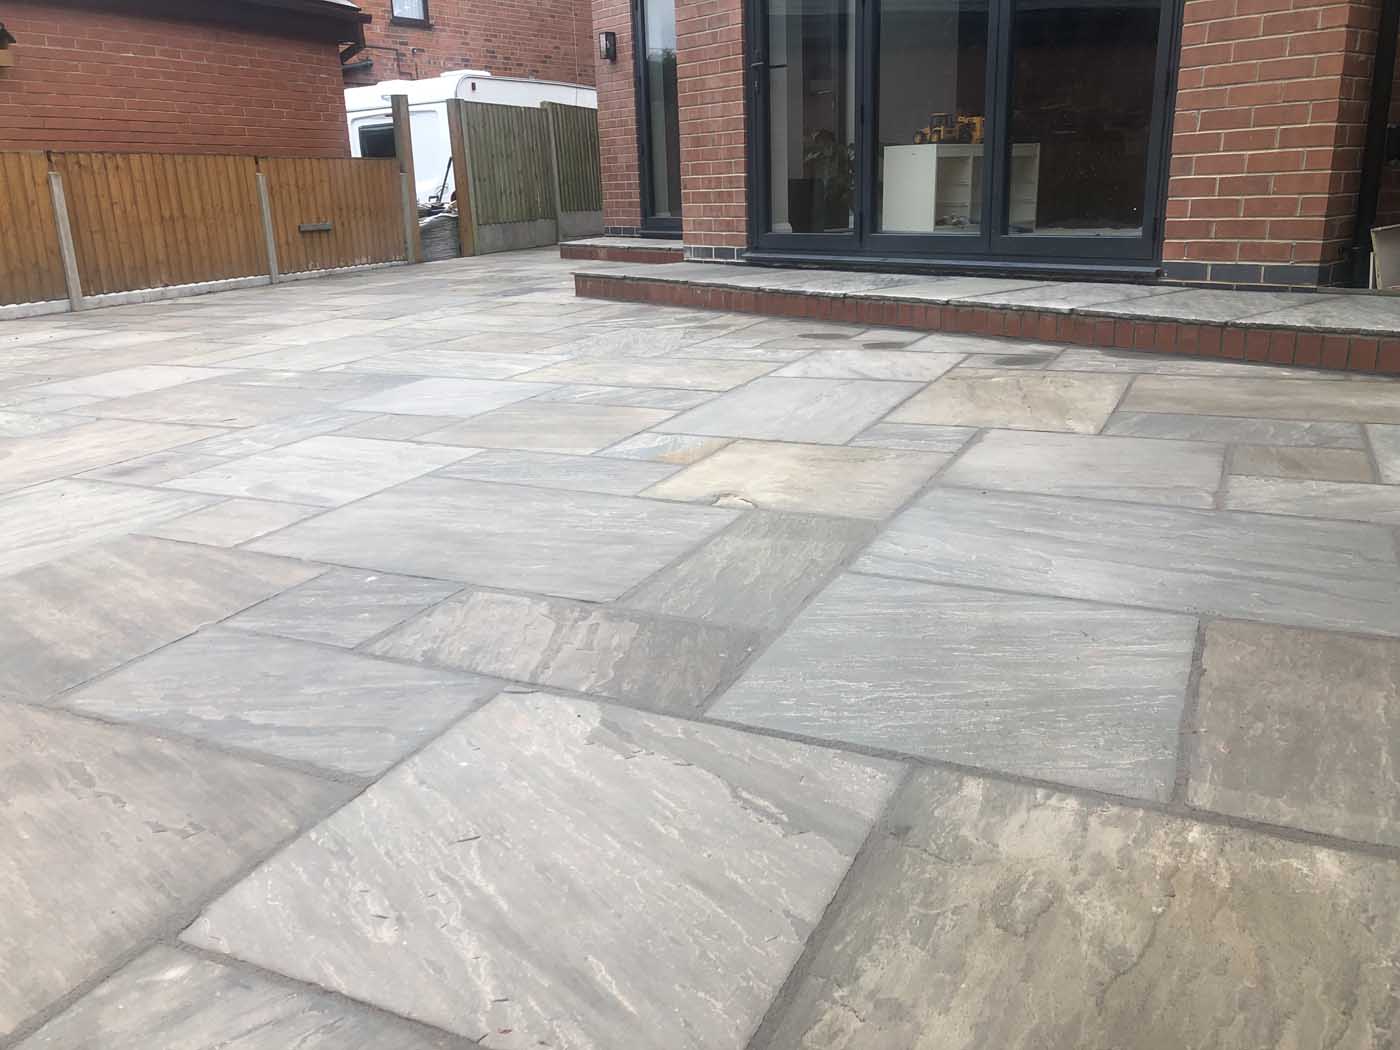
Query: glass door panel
{"points": [[660, 113], [811, 71]]}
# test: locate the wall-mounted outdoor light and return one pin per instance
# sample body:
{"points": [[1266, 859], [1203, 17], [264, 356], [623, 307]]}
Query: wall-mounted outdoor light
{"points": [[607, 47]]}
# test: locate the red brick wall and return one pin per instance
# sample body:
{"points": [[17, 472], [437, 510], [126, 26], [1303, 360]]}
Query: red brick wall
{"points": [[1266, 154], [617, 119], [714, 169], [545, 39], [102, 78]]}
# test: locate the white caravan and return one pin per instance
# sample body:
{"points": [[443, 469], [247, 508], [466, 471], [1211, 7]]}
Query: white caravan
{"points": [[371, 122]]}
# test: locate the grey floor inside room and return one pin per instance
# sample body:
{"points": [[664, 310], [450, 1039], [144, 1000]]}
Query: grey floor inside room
{"points": [[428, 658]]}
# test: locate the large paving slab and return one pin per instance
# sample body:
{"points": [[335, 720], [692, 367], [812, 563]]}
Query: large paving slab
{"points": [[176, 1000], [682, 373], [561, 873], [44, 457], [218, 403], [1084, 359], [1206, 304], [453, 363], [915, 437], [665, 664], [850, 482], [1267, 398], [619, 476], [1297, 727], [871, 364], [1309, 573], [1194, 427], [231, 522], [1385, 444], [66, 621], [1346, 500], [123, 382], [112, 835], [321, 471], [460, 398], [572, 544], [1282, 461], [830, 411], [630, 396], [756, 573], [988, 914], [1017, 399], [1081, 694], [334, 710], [681, 449], [1139, 470], [550, 427]]}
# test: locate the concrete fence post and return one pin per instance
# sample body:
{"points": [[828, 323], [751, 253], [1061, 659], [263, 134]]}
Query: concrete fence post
{"points": [[403, 150], [65, 241], [269, 237]]}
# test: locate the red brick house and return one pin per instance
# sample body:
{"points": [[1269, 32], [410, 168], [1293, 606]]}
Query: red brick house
{"points": [[205, 76], [1239, 142], [417, 39]]}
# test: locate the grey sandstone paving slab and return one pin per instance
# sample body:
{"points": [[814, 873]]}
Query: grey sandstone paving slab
{"points": [[542, 427], [231, 522], [176, 1000], [1083, 359], [394, 428], [682, 373], [572, 544], [1297, 727], [1326, 464], [251, 440], [914, 437], [1346, 313], [111, 836], [633, 396], [123, 382], [1268, 398], [619, 476], [660, 663], [823, 479], [1070, 295], [64, 622], [1327, 574], [680, 449], [344, 607], [220, 403], [1385, 443], [155, 468], [1191, 427], [47, 521], [26, 424], [987, 914], [1204, 304], [1139, 470], [334, 710], [1081, 694], [453, 364], [871, 364], [756, 572], [557, 872], [982, 346], [827, 411], [321, 471], [458, 398], [1021, 400], [44, 457], [1342, 500]]}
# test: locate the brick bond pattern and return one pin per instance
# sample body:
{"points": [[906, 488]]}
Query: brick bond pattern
{"points": [[1275, 345], [714, 168], [88, 79], [617, 120]]}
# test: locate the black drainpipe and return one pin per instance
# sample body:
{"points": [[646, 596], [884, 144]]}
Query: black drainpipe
{"points": [[1374, 158]]}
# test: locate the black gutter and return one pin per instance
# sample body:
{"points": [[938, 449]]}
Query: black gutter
{"points": [[1374, 158]]}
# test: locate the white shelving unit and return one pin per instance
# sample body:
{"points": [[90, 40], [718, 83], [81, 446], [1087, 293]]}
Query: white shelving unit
{"points": [[937, 187]]}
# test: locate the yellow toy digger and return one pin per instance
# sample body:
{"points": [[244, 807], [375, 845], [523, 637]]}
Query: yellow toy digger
{"points": [[947, 127]]}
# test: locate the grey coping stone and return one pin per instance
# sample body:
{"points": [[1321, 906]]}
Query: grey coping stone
{"points": [[1328, 464], [230, 523], [830, 411], [1340, 313], [547, 427], [125, 381], [987, 914], [25, 461], [1328, 574], [1295, 727], [755, 573], [1083, 359], [344, 607], [321, 471], [1063, 297], [1385, 443], [829, 282], [634, 396], [47, 521], [1082, 694], [1345, 500], [682, 373], [459, 398], [110, 836], [1017, 399], [64, 622], [871, 364], [1139, 470], [660, 663], [1267, 398], [946, 289], [454, 364], [219, 403], [619, 476], [334, 710], [563, 873], [824, 479], [572, 544], [914, 437], [1204, 304], [176, 1000], [1191, 427], [681, 449]]}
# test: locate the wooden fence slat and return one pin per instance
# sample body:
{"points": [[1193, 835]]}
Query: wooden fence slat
{"points": [[31, 269]]}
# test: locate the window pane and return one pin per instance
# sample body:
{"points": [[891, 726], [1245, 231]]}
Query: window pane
{"points": [[1081, 111], [663, 123], [931, 120], [811, 83], [410, 9]]}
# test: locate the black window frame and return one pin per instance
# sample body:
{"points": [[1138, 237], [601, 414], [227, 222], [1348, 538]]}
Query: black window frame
{"points": [[652, 225], [417, 23]]}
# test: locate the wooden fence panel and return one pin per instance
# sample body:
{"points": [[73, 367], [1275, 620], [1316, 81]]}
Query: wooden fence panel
{"points": [[143, 220], [360, 199], [509, 153], [576, 153], [31, 268]]}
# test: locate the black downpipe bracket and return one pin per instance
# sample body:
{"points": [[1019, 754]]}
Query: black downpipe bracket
{"points": [[1374, 158]]}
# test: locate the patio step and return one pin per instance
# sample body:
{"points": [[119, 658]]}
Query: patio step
{"points": [[623, 249], [1340, 330]]}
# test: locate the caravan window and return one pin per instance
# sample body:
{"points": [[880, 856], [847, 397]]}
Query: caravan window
{"points": [[377, 141]]}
